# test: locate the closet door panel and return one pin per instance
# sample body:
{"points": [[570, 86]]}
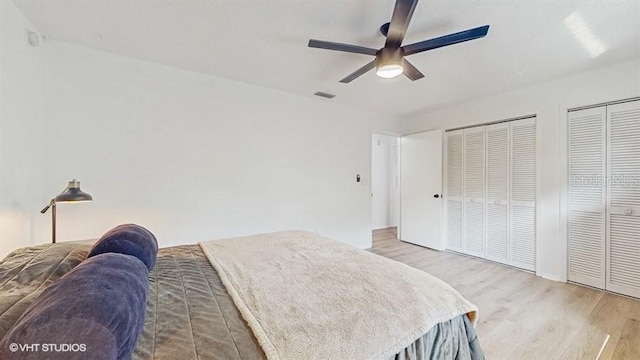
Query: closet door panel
{"points": [[623, 275], [473, 229], [454, 164], [474, 164], [498, 233], [624, 155], [523, 161], [497, 194], [474, 189], [587, 194], [454, 189], [586, 248], [523, 194], [454, 225], [623, 267], [523, 237]]}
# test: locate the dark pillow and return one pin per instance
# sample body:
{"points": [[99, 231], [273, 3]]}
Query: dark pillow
{"points": [[96, 311], [129, 239]]}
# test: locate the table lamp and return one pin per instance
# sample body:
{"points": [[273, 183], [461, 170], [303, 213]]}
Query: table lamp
{"points": [[71, 194]]}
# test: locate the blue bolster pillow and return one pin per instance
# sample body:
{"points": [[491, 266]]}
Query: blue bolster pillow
{"points": [[129, 239], [96, 311]]}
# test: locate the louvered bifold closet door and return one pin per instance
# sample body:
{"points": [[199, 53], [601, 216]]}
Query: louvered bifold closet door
{"points": [[474, 185], [587, 194], [623, 269], [453, 189], [497, 196], [522, 235]]}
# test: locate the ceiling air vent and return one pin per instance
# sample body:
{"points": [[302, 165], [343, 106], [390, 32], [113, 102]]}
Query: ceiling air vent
{"points": [[324, 95]]}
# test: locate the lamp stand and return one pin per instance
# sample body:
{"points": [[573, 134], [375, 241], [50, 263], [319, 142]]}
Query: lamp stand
{"points": [[52, 205], [53, 221]]}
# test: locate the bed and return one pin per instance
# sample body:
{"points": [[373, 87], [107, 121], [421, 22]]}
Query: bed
{"points": [[193, 309]]}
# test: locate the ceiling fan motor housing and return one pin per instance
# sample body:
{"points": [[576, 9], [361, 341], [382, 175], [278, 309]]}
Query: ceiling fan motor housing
{"points": [[387, 56], [384, 29]]}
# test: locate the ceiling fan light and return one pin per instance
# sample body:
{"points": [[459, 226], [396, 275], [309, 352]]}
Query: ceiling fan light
{"points": [[389, 71]]}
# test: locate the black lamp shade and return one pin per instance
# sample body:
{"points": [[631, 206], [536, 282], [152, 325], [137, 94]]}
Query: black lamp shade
{"points": [[73, 193]]}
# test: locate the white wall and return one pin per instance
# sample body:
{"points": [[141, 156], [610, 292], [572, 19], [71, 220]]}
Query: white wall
{"points": [[21, 131], [549, 102], [195, 157]]}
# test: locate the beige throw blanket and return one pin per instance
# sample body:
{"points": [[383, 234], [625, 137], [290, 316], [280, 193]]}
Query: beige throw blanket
{"points": [[308, 297]]}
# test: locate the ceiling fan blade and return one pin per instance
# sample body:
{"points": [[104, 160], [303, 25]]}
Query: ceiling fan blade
{"points": [[411, 71], [341, 47], [354, 75], [446, 40], [400, 19]]}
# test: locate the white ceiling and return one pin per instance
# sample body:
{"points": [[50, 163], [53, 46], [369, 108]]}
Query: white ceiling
{"points": [[264, 42]]}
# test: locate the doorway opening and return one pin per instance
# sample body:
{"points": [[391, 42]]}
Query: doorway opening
{"points": [[385, 187]]}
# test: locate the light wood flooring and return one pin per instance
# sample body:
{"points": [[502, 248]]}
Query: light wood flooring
{"points": [[523, 316]]}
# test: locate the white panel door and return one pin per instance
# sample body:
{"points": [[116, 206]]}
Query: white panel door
{"points": [[522, 216], [453, 189], [623, 267], [474, 187], [587, 195], [420, 180], [497, 210]]}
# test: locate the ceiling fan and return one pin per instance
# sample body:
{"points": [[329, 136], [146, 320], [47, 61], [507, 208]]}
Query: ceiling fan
{"points": [[390, 61]]}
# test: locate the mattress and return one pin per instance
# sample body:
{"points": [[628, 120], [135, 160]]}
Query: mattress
{"points": [[190, 314]]}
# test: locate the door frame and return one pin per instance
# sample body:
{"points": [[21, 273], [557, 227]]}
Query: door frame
{"points": [[396, 194]]}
